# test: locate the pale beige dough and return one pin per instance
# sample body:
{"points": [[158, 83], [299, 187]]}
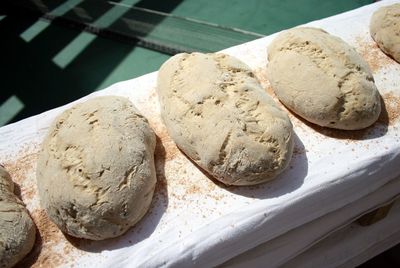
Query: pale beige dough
{"points": [[219, 115], [95, 173], [385, 29], [17, 230], [324, 80]]}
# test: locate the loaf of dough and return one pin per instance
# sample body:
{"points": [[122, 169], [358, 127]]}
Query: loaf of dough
{"points": [[385, 29], [95, 173], [17, 230], [218, 114], [324, 80]]}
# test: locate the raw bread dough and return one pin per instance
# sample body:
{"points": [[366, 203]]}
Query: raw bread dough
{"points": [[385, 29], [96, 174], [219, 115], [17, 231], [321, 78]]}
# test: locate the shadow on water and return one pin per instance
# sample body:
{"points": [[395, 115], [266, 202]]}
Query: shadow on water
{"points": [[31, 68]]}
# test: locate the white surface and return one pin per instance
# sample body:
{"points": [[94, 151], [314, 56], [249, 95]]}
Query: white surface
{"points": [[194, 221], [282, 249], [352, 245]]}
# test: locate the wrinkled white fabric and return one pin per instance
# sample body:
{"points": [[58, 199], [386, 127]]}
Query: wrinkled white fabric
{"points": [[353, 245]]}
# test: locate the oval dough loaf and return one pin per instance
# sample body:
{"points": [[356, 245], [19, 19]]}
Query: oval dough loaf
{"points": [[96, 174], [322, 79], [385, 29], [221, 117], [17, 230]]}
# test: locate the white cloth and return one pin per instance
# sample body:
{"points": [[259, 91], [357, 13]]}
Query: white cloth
{"points": [[286, 248], [353, 245], [194, 222]]}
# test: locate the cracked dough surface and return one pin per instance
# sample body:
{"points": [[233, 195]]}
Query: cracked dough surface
{"points": [[95, 173], [385, 29], [217, 113], [17, 230], [323, 79]]}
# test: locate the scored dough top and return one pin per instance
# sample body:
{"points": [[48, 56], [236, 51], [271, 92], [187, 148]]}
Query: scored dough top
{"points": [[385, 29], [220, 116], [323, 79], [96, 172]]}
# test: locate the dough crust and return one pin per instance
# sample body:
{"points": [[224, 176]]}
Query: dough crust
{"points": [[217, 113], [17, 230], [96, 174], [385, 30], [324, 80]]}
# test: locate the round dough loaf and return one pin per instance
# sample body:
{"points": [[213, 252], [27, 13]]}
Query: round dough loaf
{"points": [[217, 112], [321, 78], [385, 29], [96, 174], [17, 230]]}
